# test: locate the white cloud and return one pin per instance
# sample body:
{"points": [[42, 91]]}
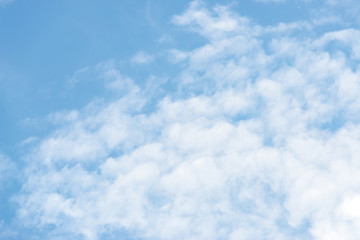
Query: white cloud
{"points": [[258, 140], [165, 38], [142, 58], [212, 24], [177, 55]]}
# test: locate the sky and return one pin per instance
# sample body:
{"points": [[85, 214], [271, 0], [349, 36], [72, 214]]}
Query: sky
{"points": [[156, 119]]}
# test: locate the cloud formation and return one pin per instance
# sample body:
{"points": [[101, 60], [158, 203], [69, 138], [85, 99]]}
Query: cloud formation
{"points": [[258, 140]]}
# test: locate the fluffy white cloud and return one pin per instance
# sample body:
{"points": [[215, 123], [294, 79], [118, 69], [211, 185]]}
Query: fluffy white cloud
{"points": [[258, 140]]}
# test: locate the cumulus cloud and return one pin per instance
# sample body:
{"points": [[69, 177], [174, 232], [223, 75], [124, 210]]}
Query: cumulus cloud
{"points": [[258, 140]]}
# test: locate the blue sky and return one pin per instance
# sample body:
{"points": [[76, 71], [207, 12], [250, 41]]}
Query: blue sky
{"points": [[160, 119]]}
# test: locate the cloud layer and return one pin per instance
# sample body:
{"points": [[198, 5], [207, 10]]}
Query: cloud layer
{"points": [[257, 140]]}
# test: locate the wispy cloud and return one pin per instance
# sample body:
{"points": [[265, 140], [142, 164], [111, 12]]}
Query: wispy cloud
{"points": [[142, 58], [6, 168]]}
